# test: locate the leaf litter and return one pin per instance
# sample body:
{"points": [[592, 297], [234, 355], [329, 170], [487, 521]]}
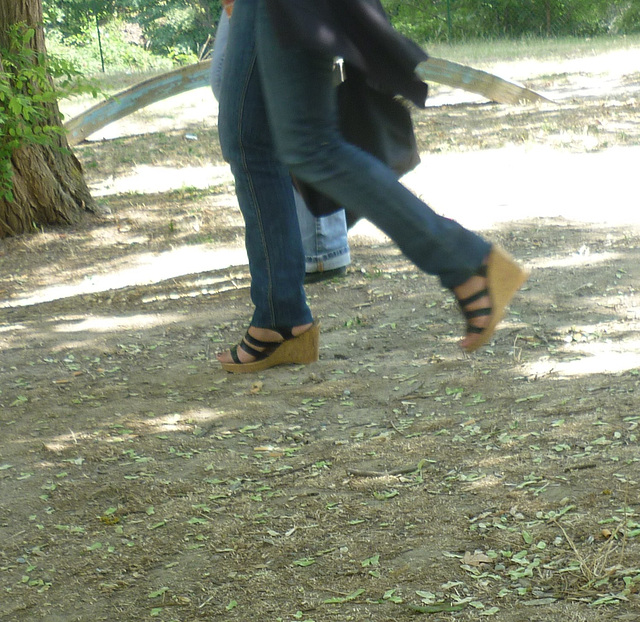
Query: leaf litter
{"points": [[394, 479]]}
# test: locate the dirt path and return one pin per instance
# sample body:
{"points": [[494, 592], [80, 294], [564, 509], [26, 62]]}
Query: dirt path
{"points": [[394, 478]]}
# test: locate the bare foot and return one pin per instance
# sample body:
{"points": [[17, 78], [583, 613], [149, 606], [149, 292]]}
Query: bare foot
{"points": [[469, 288], [262, 334]]}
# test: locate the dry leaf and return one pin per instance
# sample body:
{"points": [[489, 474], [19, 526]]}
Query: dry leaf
{"points": [[475, 559]]}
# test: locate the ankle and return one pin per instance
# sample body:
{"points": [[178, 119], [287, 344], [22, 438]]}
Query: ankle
{"points": [[273, 336], [469, 287]]}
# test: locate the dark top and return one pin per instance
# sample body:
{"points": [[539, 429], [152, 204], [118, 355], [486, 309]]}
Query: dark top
{"points": [[360, 32]]}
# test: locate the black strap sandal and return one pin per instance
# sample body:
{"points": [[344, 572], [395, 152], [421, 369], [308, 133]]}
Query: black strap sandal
{"points": [[465, 302], [504, 278], [301, 349], [267, 348]]}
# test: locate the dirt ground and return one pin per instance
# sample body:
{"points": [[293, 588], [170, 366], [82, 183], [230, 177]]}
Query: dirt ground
{"points": [[395, 479]]}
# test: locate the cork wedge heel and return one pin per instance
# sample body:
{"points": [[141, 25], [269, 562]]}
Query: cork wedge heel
{"points": [[504, 278], [301, 350]]}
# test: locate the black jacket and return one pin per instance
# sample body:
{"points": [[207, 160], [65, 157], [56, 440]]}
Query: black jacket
{"points": [[360, 32]]}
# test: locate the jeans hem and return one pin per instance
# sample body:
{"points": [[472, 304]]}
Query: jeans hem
{"points": [[331, 261]]}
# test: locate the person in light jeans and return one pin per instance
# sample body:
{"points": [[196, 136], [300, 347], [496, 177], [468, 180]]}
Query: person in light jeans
{"points": [[324, 238]]}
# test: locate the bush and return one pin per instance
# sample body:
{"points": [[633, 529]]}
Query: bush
{"points": [[629, 21], [120, 55], [175, 33], [469, 19]]}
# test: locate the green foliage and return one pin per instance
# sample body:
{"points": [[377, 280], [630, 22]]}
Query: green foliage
{"points": [[439, 20], [120, 55], [627, 21], [27, 92], [24, 90], [178, 27], [76, 17], [420, 21], [175, 29]]}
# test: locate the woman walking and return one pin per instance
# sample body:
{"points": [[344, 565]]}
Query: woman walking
{"points": [[278, 117]]}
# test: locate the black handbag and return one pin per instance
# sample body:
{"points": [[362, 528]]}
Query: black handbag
{"points": [[377, 122]]}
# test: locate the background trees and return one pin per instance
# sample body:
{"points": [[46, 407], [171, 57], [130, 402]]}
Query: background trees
{"points": [[467, 19], [174, 28], [179, 29]]}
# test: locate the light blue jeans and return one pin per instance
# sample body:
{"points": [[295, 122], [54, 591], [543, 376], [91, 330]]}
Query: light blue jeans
{"points": [[278, 115], [324, 239]]}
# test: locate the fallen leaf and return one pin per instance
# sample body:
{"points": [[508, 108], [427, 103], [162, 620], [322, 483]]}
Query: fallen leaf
{"points": [[476, 559]]}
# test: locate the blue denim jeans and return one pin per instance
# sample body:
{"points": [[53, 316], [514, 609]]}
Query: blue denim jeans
{"points": [[263, 184], [278, 115], [324, 239]]}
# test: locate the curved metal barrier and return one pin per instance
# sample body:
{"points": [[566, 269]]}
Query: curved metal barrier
{"points": [[196, 76]]}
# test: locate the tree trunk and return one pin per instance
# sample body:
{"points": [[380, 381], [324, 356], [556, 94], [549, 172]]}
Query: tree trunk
{"points": [[48, 183]]}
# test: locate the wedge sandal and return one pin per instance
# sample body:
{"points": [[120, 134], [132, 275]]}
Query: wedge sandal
{"points": [[504, 278], [300, 350]]}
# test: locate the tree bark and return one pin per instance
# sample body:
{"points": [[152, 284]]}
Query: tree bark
{"points": [[49, 186]]}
